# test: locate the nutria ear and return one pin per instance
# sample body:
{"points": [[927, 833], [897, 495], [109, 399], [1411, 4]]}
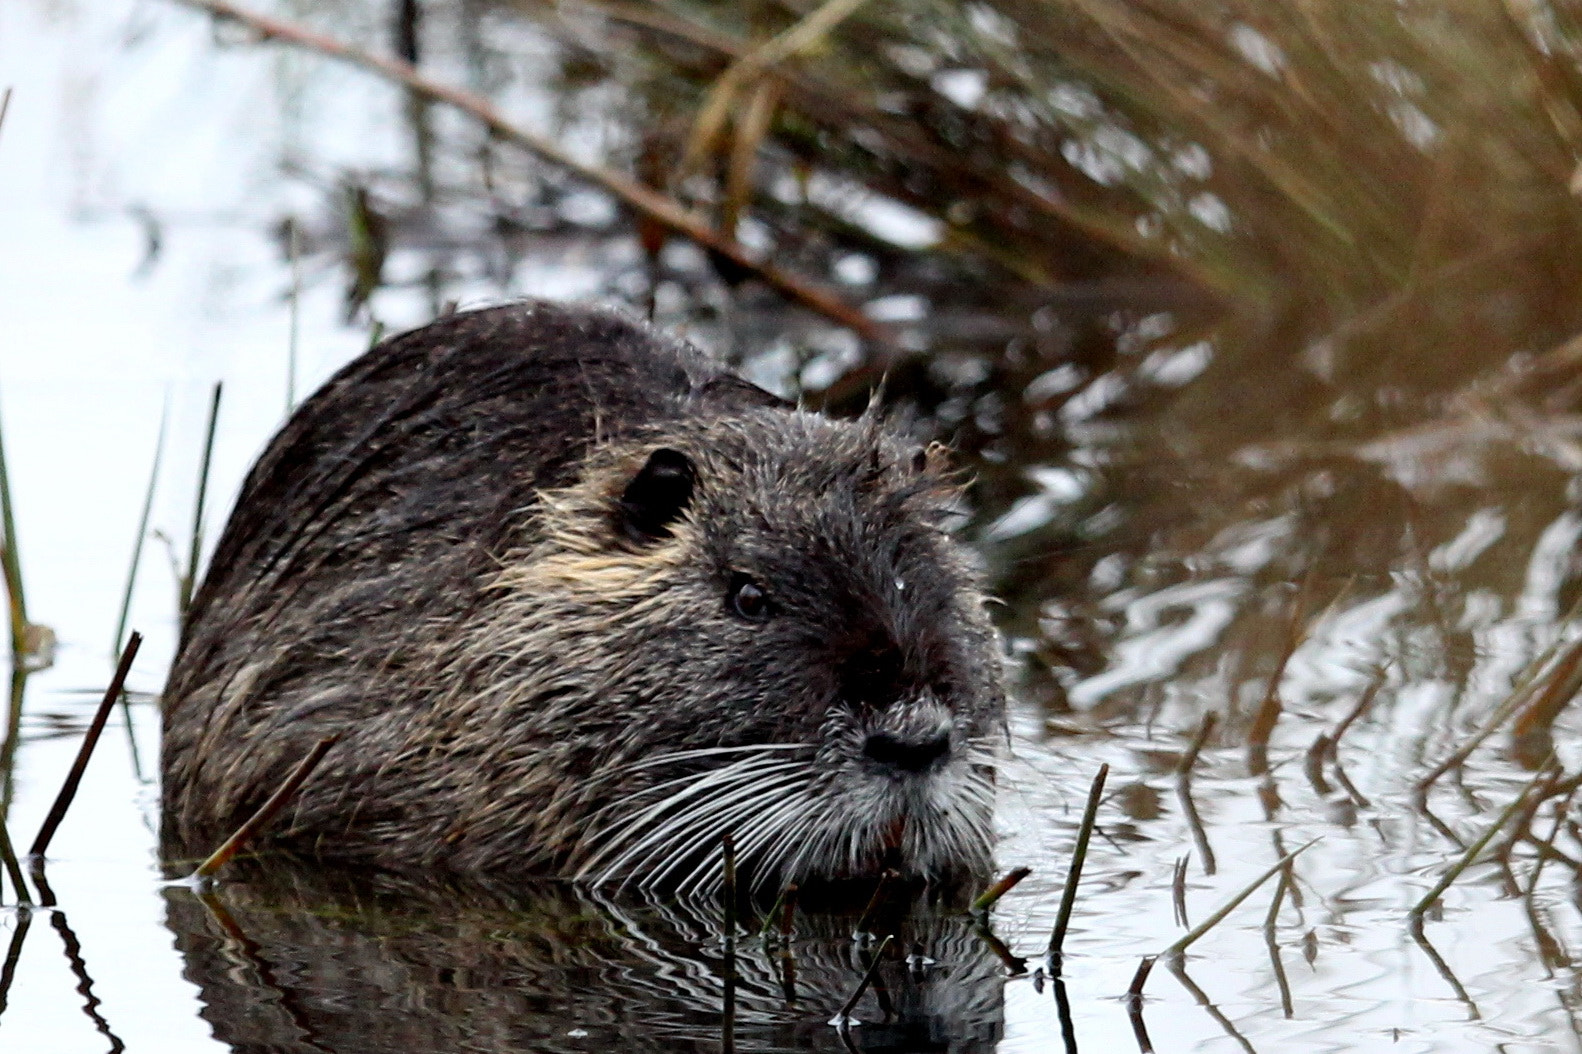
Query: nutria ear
{"points": [[657, 495]]}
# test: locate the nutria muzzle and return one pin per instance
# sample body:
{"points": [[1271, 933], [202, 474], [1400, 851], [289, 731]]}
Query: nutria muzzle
{"points": [[578, 601]]}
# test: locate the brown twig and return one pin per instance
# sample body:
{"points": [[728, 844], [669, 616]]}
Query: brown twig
{"points": [[728, 885], [90, 739], [1184, 791], [648, 202], [1178, 892], [991, 896], [1204, 730], [1015, 965], [13, 868], [1363, 703], [266, 812], [1134, 993], [890, 875], [781, 911], [788, 912]]}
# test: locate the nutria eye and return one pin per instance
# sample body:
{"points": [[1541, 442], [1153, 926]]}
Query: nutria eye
{"points": [[748, 599]]}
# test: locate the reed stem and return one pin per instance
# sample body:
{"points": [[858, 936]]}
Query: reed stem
{"points": [[189, 577], [1068, 896], [90, 739]]}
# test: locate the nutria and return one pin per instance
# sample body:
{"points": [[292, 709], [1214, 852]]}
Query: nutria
{"points": [[579, 601]]}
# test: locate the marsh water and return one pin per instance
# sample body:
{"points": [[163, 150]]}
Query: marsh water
{"points": [[1176, 531]]}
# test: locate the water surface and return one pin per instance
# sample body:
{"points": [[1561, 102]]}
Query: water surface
{"points": [[1210, 549]]}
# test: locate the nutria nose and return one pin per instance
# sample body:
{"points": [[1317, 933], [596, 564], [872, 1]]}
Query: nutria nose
{"points": [[908, 754]]}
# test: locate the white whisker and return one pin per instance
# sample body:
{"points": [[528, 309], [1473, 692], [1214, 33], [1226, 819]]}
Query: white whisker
{"points": [[682, 825], [706, 752], [731, 773], [749, 838]]}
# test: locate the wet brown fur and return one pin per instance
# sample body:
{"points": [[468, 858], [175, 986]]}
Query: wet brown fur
{"points": [[427, 560]]}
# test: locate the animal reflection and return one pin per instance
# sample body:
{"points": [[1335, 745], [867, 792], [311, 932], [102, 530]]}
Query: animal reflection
{"points": [[295, 961]]}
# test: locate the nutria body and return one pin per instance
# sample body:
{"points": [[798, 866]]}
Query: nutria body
{"points": [[579, 601]]}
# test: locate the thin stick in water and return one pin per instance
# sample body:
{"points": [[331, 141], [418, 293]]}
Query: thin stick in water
{"points": [[1068, 896], [873, 904], [843, 1019], [1183, 774], [1015, 965], [1219, 914], [266, 812], [728, 866], [189, 578], [9, 564], [1472, 851], [1134, 1004], [1363, 703], [788, 913], [13, 953], [1204, 730], [1558, 664], [1134, 992], [90, 739], [1547, 845], [13, 867], [781, 911], [991, 896], [1178, 892]]}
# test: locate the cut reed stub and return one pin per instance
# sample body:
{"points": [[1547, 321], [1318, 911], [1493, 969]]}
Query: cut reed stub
{"points": [[780, 913], [991, 896], [13, 868], [728, 884], [861, 932], [266, 812], [90, 739], [1079, 855]]}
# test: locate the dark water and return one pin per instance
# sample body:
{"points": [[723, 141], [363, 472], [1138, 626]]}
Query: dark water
{"points": [[1184, 515]]}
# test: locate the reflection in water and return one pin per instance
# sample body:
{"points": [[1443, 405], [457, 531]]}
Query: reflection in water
{"points": [[294, 959]]}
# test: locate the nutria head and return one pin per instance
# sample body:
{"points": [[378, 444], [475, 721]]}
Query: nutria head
{"points": [[756, 625]]}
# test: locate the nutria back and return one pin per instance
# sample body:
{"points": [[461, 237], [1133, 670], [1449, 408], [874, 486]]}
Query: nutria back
{"points": [[578, 600]]}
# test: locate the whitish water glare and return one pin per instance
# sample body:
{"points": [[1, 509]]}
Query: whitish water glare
{"points": [[124, 107]]}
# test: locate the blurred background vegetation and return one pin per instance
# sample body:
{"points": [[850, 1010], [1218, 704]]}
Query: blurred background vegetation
{"points": [[1177, 277]]}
